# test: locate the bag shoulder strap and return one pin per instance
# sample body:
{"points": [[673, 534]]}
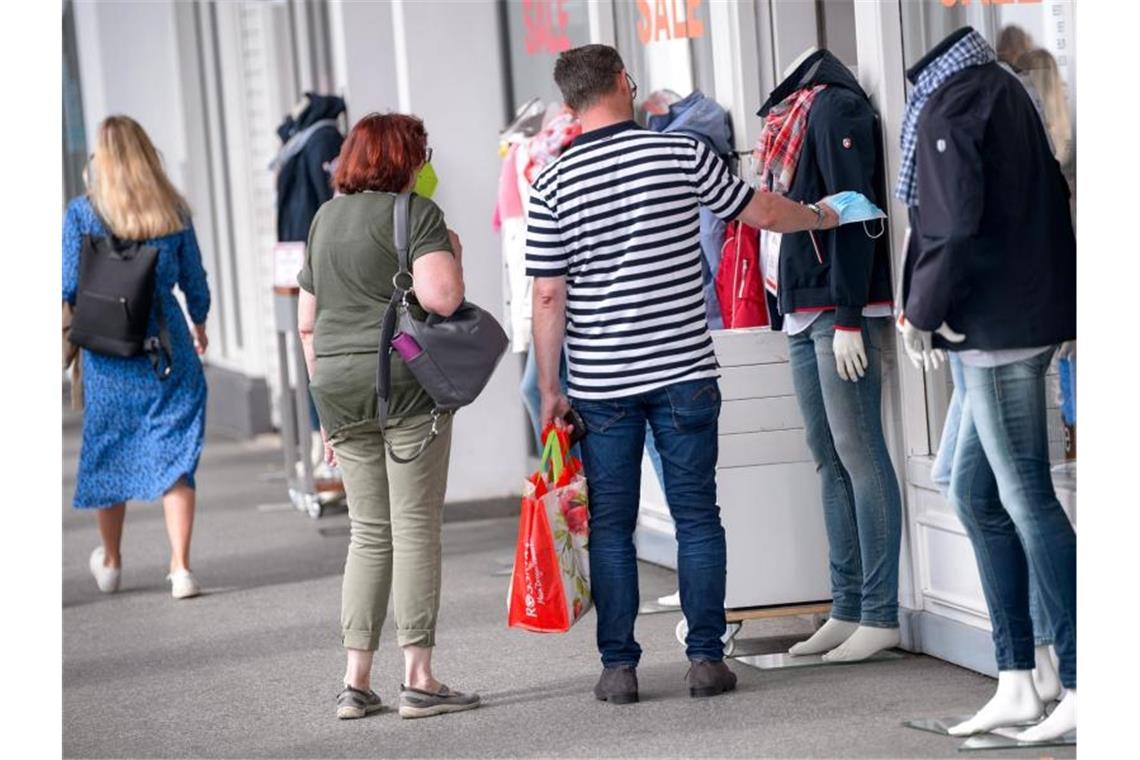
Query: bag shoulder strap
{"points": [[402, 220]]}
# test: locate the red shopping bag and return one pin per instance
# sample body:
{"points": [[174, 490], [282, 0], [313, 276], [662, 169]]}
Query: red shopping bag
{"points": [[739, 284], [550, 583]]}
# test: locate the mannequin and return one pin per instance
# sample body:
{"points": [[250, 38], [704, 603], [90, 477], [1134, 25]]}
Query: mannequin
{"points": [[832, 293], [1002, 316]]}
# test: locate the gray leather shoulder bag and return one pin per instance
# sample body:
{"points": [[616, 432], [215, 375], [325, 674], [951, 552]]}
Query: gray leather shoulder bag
{"points": [[452, 358]]}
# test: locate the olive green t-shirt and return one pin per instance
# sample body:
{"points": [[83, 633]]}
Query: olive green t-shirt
{"points": [[349, 264]]}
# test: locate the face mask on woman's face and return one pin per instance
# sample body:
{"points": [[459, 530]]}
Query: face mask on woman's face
{"points": [[426, 181]]}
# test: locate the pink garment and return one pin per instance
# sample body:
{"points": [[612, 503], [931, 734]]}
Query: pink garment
{"points": [[509, 205], [548, 144]]}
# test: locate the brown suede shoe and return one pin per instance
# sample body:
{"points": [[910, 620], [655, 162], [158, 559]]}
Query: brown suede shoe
{"points": [[707, 679]]}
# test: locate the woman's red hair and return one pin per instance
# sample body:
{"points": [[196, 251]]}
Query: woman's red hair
{"points": [[382, 153]]}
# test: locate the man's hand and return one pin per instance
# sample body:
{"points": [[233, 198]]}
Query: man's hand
{"points": [[850, 355], [555, 405], [1068, 350], [330, 455], [830, 217]]}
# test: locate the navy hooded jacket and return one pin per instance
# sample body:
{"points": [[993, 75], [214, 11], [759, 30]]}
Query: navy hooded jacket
{"points": [[992, 251], [304, 181], [841, 151]]}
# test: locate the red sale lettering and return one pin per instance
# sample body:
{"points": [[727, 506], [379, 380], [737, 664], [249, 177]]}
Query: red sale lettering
{"points": [[545, 22], [663, 20]]}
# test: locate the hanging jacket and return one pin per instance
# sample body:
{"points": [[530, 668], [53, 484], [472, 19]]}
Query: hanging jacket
{"points": [[992, 251], [703, 118], [304, 166], [841, 151]]}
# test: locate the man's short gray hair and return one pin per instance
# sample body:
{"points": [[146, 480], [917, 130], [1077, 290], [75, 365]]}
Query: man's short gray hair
{"points": [[586, 74]]}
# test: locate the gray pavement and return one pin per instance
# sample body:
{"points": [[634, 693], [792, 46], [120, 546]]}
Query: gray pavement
{"points": [[250, 669]]}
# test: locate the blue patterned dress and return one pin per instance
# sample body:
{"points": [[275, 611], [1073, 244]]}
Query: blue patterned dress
{"points": [[141, 435]]}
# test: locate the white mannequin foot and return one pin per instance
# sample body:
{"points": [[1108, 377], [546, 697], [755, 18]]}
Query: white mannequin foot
{"points": [[1062, 721], [865, 642], [1016, 701], [832, 634], [1045, 678]]}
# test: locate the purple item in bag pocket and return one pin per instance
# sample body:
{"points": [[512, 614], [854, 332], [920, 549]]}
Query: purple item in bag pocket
{"points": [[406, 346]]}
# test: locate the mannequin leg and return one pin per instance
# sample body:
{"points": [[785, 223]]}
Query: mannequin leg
{"points": [[1015, 702], [838, 504], [1062, 721], [1008, 406], [854, 417], [1004, 574]]}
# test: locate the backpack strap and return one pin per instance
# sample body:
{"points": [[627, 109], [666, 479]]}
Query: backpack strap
{"points": [[402, 285]]}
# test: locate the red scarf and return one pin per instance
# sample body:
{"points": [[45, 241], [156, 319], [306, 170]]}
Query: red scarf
{"points": [[782, 137]]}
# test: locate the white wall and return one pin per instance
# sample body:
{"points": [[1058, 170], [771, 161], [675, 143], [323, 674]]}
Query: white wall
{"points": [[460, 97], [128, 60]]}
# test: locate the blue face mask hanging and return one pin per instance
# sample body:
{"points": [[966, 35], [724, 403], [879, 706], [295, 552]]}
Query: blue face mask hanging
{"points": [[852, 207]]}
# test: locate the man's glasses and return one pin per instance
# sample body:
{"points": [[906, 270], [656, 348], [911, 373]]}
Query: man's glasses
{"points": [[427, 156], [632, 86]]}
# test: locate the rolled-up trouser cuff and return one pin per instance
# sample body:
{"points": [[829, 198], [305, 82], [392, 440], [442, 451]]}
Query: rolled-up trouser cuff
{"points": [[880, 623], [367, 640], [412, 637]]}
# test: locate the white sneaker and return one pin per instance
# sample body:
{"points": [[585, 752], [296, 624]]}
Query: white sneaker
{"points": [[183, 584], [672, 600], [106, 578]]}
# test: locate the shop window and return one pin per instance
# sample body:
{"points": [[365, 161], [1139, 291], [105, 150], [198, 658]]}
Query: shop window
{"points": [[1036, 37], [536, 32], [799, 25], [74, 132], [666, 47]]}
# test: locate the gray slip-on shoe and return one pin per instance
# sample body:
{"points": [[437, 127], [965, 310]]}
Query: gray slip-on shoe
{"points": [[617, 685], [707, 679], [423, 704], [356, 703]]}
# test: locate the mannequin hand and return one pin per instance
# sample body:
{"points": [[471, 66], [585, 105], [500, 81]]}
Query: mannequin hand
{"points": [[919, 344], [201, 342], [1068, 350], [850, 356]]}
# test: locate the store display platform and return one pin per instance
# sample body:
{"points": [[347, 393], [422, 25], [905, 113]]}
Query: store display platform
{"points": [[999, 738], [783, 660]]}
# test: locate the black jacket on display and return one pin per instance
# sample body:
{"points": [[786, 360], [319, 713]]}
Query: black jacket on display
{"points": [[992, 251], [841, 151], [303, 178]]}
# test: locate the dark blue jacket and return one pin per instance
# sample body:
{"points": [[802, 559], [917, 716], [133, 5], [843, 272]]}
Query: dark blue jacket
{"points": [[304, 181], [992, 251], [842, 151]]}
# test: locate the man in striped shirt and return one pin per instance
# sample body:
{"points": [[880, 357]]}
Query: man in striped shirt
{"points": [[612, 241]]}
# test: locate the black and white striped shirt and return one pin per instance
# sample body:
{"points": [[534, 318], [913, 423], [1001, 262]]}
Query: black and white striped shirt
{"points": [[617, 215]]}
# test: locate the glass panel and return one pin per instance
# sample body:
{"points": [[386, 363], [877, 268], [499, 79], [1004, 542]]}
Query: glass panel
{"points": [[1036, 37], [666, 46], [802, 25], [537, 31], [74, 132]]}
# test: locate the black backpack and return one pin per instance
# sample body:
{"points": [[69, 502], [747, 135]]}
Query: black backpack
{"points": [[114, 300]]}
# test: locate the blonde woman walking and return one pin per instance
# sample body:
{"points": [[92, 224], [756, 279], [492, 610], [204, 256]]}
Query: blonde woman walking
{"points": [[142, 435]]}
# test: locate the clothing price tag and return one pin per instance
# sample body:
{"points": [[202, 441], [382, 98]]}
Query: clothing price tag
{"points": [[770, 256], [288, 258]]}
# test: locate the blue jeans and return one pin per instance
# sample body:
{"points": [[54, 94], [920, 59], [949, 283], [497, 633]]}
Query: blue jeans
{"points": [[1002, 489], [683, 418], [862, 507], [943, 467]]}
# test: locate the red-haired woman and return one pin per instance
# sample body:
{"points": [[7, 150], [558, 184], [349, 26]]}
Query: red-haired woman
{"points": [[395, 509]]}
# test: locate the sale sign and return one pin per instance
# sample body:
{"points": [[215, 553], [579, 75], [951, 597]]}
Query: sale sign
{"points": [[663, 21], [545, 22]]}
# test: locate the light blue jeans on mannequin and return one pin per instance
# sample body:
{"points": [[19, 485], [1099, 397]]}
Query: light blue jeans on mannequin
{"points": [[862, 506], [1002, 488], [941, 471]]}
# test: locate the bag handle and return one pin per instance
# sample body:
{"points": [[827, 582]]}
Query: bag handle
{"points": [[553, 456], [402, 284]]}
